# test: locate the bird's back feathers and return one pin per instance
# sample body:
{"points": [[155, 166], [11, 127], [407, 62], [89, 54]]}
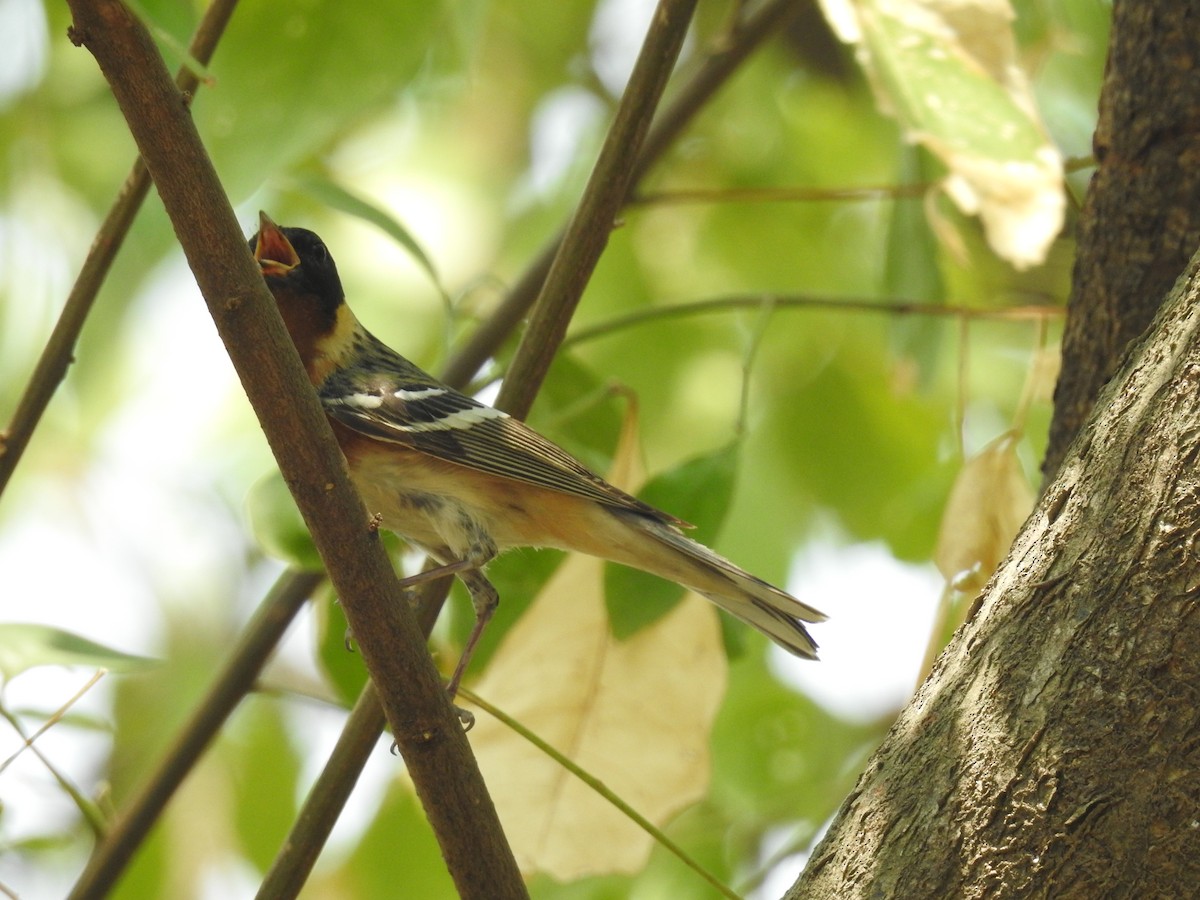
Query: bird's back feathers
{"points": [[391, 400]]}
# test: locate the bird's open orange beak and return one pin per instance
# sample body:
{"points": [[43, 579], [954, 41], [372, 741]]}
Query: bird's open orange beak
{"points": [[274, 252]]}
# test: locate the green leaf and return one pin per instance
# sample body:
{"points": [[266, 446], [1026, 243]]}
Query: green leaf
{"points": [[911, 269], [332, 194], [290, 77], [336, 651], [27, 645], [264, 772], [579, 411], [950, 79], [699, 492], [944, 95], [376, 866], [277, 525], [869, 454]]}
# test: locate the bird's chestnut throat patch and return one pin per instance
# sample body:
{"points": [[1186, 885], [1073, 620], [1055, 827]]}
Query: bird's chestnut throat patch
{"points": [[323, 341]]}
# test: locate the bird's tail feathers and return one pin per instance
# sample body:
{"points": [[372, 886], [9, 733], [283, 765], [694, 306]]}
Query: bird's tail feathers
{"points": [[775, 613]]}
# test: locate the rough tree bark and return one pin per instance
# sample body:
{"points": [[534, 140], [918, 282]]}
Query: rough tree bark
{"points": [[1055, 749], [1141, 220]]}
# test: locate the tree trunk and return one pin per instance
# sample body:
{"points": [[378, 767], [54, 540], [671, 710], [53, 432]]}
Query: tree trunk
{"points": [[1141, 221], [1055, 749]]}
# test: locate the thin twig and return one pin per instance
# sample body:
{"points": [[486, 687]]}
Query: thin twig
{"points": [[659, 836], [257, 643], [325, 802], [780, 195], [587, 232], [83, 803], [1024, 313], [59, 350], [697, 90], [52, 720]]}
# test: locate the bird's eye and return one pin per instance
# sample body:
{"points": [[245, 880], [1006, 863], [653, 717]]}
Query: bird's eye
{"points": [[321, 252]]}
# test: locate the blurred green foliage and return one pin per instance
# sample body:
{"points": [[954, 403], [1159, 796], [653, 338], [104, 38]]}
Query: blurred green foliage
{"points": [[471, 127]]}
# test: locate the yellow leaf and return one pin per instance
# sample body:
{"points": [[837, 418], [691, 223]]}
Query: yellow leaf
{"points": [[1043, 374], [949, 72], [636, 714], [988, 504]]}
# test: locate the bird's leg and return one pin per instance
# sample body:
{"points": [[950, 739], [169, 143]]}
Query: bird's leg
{"points": [[438, 571], [485, 599], [411, 581], [462, 568]]}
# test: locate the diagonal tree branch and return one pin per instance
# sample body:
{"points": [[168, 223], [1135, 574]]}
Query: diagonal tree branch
{"points": [[325, 801], [423, 722], [587, 232], [52, 365], [745, 38], [261, 636], [585, 237], [56, 356]]}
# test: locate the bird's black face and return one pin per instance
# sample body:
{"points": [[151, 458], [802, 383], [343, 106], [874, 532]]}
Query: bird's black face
{"points": [[296, 264]]}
